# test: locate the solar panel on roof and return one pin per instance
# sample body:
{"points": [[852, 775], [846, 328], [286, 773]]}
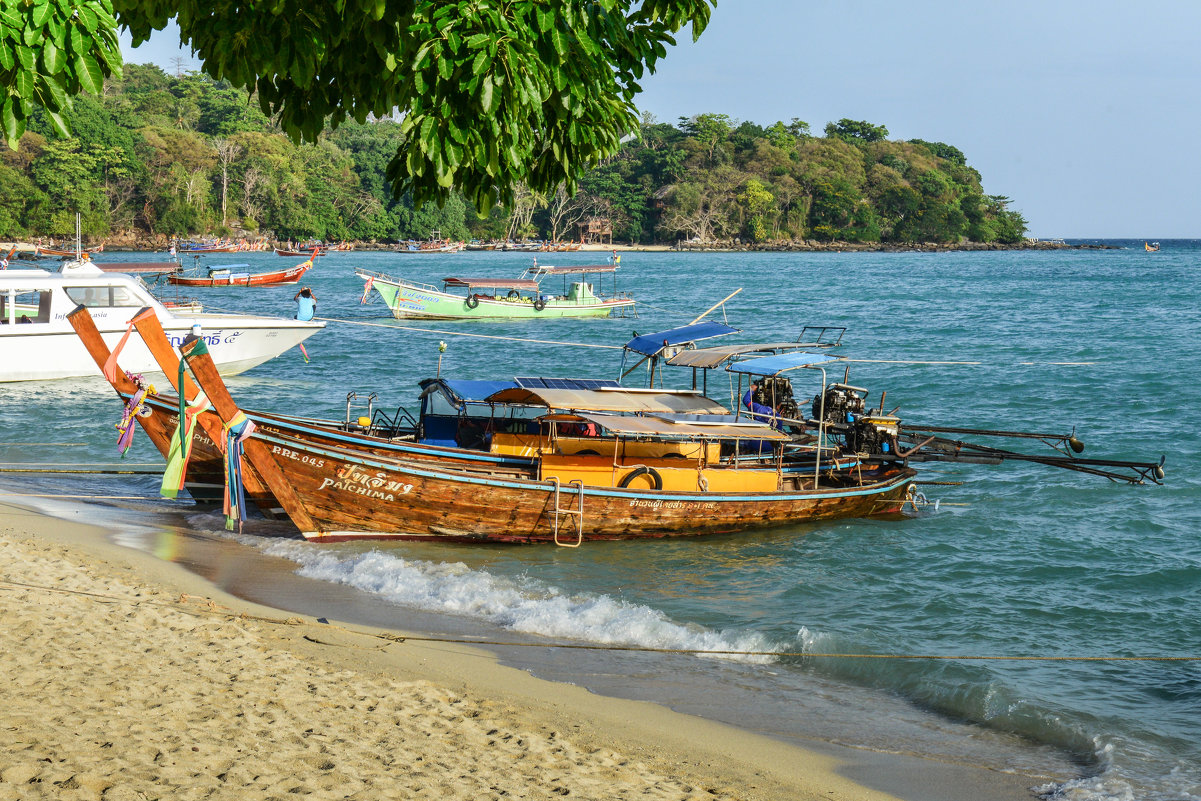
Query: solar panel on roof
{"points": [[538, 382]]}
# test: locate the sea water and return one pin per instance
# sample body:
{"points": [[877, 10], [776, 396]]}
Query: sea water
{"points": [[1018, 560]]}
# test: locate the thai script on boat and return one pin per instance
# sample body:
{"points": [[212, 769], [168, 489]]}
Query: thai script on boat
{"points": [[297, 457], [689, 505], [210, 339], [377, 486]]}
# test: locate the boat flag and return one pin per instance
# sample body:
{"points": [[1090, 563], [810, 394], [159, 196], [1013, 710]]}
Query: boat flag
{"points": [[367, 289], [303, 352]]}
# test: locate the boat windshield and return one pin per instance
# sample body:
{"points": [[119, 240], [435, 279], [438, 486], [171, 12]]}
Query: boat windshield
{"points": [[103, 296]]}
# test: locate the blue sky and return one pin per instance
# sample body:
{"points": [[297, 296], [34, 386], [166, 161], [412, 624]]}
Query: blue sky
{"points": [[1085, 113]]}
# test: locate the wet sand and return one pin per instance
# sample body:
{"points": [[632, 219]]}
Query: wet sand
{"points": [[127, 677]]}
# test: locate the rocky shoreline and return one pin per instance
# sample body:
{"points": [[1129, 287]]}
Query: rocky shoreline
{"points": [[160, 243]]}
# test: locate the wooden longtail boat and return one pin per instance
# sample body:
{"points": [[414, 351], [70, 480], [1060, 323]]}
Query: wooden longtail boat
{"points": [[227, 277], [347, 494]]}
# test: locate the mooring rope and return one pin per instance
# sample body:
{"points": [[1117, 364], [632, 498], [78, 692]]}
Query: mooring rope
{"points": [[78, 497], [211, 607], [440, 332], [466, 334], [81, 472], [78, 464]]}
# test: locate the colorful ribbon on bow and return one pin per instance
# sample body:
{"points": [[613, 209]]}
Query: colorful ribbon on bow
{"points": [[181, 446], [133, 407], [110, 365], [237, 431]]}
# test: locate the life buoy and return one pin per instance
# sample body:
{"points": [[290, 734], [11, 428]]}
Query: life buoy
{"points": [[472, 301], [539, 304], [514, 294], [643, 470]]}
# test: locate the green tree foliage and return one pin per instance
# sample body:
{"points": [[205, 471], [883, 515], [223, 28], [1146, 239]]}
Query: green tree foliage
{"points": [[493, 94], [188, 156], [856, 130]]}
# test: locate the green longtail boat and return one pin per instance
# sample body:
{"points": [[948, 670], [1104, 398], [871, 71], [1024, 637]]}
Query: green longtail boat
{"points": [[502, 298]]}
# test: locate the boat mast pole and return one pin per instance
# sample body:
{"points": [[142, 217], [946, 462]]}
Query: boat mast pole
{"points": [[821, 425], [716, 305]]}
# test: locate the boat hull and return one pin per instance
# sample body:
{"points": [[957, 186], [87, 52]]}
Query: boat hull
{"points": [[407, 302], [235, 346], [351, 496], [289, 276]]}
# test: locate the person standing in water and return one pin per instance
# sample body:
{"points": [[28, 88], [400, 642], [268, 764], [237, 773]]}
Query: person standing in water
{"points": [[306, 304]]}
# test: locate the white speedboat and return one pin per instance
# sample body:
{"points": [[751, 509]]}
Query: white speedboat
{"points": [[37, 342]]}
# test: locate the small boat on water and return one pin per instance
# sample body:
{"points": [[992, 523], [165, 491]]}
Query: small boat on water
{"points": [[234, 275], [1151, 247], [36, 342], [74, 254], [502, 298], [313, 252]]}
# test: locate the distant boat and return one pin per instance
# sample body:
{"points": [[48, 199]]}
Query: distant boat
{"points": [[524, 298], [316, 250], [230, 275], [1151, 248]]}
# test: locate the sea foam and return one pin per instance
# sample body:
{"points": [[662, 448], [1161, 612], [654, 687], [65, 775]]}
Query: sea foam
{"points": [[525, 605]]}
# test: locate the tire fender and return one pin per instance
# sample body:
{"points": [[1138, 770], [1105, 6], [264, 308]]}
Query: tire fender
{"points": [[642, 470]]}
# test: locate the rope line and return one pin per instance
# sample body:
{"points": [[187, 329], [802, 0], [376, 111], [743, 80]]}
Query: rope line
{"points": [[77, 464], [81, 472], [466, 334], [211, 607], [55, 444], [452, 333], [77, 497]]}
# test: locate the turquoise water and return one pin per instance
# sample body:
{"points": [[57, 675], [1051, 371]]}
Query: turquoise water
{"points": [[1018, 560]]}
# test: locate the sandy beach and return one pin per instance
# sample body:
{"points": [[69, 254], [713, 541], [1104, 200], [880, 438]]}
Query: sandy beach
{"points": [[128, 678]]}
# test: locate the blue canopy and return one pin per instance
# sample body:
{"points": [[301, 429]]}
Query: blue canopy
{"points": [[466, 390], [770, 365], [650, 344]]}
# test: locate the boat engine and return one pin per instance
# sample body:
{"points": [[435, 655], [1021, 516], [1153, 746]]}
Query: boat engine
{"points": [[776, 392], [844, 410]]}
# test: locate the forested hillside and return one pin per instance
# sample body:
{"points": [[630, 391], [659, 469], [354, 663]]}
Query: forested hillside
{"points": [[186, 156]]}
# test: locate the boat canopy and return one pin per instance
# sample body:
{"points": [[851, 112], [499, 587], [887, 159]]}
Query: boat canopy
{"points": [[771, 365], [609, 400], [709, 358], [651, 344], [581, 268], [492, 283], [462, 390], [665, 427], [542, 382]]}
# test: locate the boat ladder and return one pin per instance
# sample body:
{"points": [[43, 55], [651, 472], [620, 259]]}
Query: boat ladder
{"points": [[558, 513]]}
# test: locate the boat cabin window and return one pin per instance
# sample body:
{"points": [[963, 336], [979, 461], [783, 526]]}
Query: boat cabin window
{"points": [[103, 296], [32, 306]]}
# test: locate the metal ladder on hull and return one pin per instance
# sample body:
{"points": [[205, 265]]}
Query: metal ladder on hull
{"points": [[558, 512]]}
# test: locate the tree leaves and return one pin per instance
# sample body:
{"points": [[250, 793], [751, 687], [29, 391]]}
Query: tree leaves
{"points": [[549, 86], [51, 50]]}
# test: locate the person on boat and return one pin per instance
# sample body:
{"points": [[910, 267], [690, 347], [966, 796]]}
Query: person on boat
{"points": [[758, 411], [306, 304], [3, 262]]}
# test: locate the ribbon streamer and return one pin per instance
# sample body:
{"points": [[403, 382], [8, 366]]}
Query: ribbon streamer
{"points": [[236, 432]]}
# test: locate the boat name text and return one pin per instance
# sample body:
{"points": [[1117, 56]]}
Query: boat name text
{"points": [[371, 486], [297, 457], [689, 505]]}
